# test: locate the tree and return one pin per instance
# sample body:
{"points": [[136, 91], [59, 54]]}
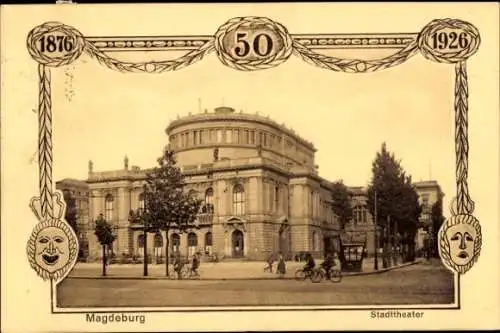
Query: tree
{"points": [[105, 236], [437, 220], [166, 205], [341, 203], [398, 208]]}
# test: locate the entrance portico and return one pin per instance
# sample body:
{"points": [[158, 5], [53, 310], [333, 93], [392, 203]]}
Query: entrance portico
{"points": [[236, 237]]}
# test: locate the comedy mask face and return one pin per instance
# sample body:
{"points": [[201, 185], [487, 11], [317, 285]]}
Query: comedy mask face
{"points": [[461, 237], [52, 249]]}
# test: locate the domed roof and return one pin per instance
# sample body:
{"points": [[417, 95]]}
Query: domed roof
{"points": [[226, 113]]}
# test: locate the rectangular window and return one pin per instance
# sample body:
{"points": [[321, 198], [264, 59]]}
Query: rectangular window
{"points": [[236, 136], [246, 138], [219, 136], [252, 137], [229, 136], [238, 201], [202, 136], [195, 137]]}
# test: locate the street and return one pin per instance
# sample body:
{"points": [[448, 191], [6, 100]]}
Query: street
{"points": [[416, 284]]}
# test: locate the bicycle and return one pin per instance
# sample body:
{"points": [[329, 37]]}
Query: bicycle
{"points": [[172, 273], [189, 273], [302, 275], [335, 275]]}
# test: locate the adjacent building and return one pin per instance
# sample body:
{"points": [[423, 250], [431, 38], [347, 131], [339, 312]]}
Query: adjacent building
{"points": [[429, 193], [79, 191], [259, 183]]}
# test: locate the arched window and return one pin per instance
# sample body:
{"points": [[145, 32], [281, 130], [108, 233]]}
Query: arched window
{"points": [[209, 201], [192, 193], [208, 243], [192, 243], [238, 200], [175, 242], [140, 241], [208, 239], [192, 239], [108, 207], [141, 202], [158, 240]]}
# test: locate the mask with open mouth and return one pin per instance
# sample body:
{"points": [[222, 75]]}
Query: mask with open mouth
{"points": [[52, 248]]}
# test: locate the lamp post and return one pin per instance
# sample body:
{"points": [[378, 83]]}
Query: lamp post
{"points": [[376, 234]]}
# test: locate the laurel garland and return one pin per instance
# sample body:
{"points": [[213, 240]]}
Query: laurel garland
{"points": [[45, 143], [354, 65], [464, 204], [150, 66]]}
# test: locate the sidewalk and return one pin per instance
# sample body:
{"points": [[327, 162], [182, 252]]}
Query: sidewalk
{"points": [[233, 270]]}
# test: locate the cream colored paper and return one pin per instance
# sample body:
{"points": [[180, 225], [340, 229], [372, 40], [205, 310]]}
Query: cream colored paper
{"points": [[101, 114]]}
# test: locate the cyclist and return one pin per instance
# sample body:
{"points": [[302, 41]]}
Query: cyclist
{"points": [[310, 263], [327, 264]]}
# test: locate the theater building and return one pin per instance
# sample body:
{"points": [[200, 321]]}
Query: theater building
{"points": [[259, 183]]}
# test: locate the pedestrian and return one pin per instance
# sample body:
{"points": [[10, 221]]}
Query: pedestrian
{"points": [[270, 262], [195, 264], [178, 264], [281, 266]]}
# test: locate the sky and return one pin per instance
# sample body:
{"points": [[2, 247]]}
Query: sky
{"points": [[103, 115]]}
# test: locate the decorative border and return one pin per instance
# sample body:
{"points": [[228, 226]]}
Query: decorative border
{"points": [[256, 43]]}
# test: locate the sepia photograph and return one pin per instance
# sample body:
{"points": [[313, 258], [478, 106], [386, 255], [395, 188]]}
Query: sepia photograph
{"points": [[286, 187], [244, 166]]}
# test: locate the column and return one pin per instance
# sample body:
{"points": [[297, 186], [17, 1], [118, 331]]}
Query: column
{"points": [[246, 243], [183, 248], [227, 244], [123, 208]]}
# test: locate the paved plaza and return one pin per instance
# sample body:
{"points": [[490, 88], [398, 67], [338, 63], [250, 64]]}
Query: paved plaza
{"points": [[421, 283], [225, 270]]}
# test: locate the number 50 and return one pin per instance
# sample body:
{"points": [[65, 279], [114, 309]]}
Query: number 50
{"points": [[243, 47]]}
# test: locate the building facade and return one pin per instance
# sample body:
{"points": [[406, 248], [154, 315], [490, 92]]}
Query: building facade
{"points": [[78, 191], [429, 192], [259, 183]]}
